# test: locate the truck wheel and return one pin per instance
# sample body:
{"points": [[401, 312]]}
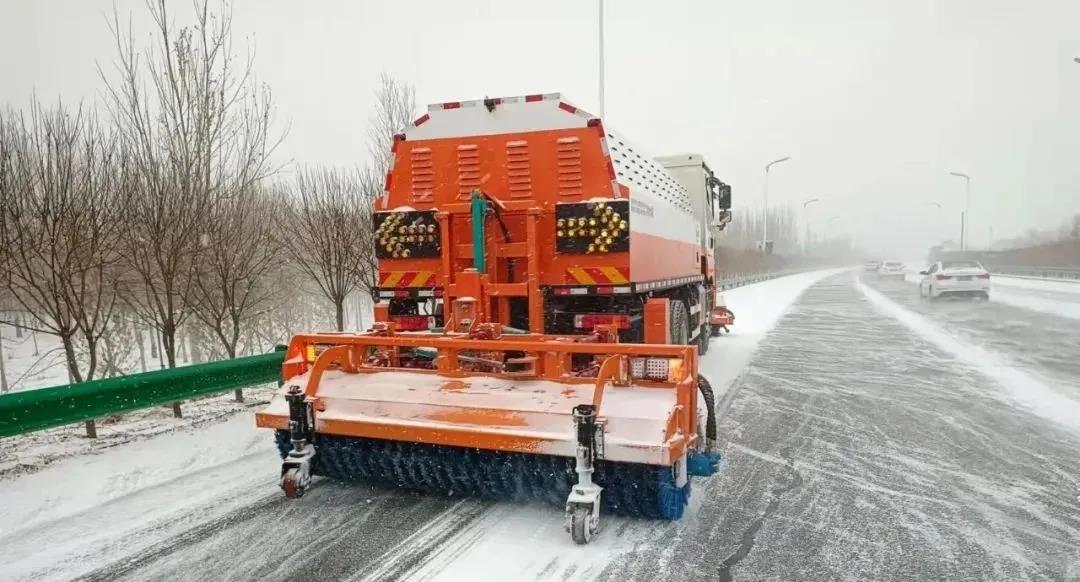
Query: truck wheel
{"points": [[680, 323]]}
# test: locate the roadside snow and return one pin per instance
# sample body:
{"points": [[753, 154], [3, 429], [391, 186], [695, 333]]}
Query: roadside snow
{"points": [[1018, 385], [1071, 287], [89, 511], [1027, 298], [34, 451]]}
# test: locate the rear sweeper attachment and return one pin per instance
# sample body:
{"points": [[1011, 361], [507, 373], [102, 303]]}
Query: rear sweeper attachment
{"points": [[581, 420]]}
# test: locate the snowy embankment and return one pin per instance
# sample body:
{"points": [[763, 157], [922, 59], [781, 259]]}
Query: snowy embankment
{"points": [[84, 512]]}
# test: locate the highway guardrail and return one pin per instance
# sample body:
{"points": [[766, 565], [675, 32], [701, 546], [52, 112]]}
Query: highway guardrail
{"points": [[31, 410], [1054, 273]]}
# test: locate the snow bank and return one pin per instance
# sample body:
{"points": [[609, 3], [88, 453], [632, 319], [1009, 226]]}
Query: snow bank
{"points": [[77, 484], [1072, 287], [1020, 387]]}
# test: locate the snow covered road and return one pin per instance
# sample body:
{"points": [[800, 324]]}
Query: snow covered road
{"points": [[868, 435]]}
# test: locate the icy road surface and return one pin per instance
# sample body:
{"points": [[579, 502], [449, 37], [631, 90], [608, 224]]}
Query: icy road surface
{"points": [[869, 435]]}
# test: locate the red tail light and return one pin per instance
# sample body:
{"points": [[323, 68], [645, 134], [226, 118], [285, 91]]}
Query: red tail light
{"points": [[591, 320], [984, 276], [943, 277], [411, 322]]}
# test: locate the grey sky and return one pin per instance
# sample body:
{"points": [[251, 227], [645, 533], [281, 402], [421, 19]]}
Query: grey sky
{"points": [[875, 100]]}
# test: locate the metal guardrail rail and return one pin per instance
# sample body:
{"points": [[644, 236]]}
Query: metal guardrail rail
{"points": [[31, 410], [1055, 273]]}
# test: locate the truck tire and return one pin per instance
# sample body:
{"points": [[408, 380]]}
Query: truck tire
{"points": [[680, 323]]}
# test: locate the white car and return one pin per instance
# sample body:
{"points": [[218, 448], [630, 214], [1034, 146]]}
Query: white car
{"points": [[962, 278], [871, 266], [891, 269]]}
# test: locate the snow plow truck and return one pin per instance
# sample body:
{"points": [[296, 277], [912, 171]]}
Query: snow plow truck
{"points": [[544, 292]]}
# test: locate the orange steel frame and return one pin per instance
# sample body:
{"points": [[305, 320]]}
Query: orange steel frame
{"points": [[549, 358]]}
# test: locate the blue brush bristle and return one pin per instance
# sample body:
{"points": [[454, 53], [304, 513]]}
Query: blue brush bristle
{"points": [[629, 489]]}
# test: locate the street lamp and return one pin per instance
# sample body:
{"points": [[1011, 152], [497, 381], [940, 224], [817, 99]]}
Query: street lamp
{"points": [[964, 216], [600, 78], [765, 230], [806, 239]]}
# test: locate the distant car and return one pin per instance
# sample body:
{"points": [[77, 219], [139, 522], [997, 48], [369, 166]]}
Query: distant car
{"points": [[891, 269], [958, 278], [871, 266]]}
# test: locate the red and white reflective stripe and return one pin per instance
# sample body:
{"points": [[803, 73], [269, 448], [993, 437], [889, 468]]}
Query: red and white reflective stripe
{"points": [[604, 290], [420, 121]]}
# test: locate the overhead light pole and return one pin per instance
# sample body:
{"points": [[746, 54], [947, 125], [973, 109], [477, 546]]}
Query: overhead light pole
{"points": [[806, 239], [965, 214], [765, 218], [600, 77]]}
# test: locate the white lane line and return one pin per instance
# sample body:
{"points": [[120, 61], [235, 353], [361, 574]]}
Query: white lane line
{"points": [[1021, 387]]}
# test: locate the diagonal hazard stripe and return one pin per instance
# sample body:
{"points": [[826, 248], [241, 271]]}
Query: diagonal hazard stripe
{"points": [[421, 279], [392, 278], [597, 275], [407, 278], [579, 275], [615, 275]]}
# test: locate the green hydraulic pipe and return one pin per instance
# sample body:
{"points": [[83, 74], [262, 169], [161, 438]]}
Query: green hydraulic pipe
{"points": [[479, 211]]}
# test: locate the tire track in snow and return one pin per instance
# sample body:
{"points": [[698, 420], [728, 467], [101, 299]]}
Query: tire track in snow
{"points": [[1023, 388]]}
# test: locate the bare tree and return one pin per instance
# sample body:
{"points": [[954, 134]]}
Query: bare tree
{"points": [[240, 252], [60, 227], [395, 109], [324, 234], [199, 129]]}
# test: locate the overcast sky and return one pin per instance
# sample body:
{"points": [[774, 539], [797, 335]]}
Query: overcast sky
{"points": [[874, 100]]}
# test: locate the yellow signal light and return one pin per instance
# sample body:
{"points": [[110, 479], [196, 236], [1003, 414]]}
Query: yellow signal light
{"points": [[609, 210], [310, 353], [582, 232], [604, 233], [405, 254], [601, 205], [559, 233], [430, 228], [401, 230], [560, 222], [592, 222], [603, 248], [624, 225], [592, 248], [397, 255], [592, 232], [609, 240]]}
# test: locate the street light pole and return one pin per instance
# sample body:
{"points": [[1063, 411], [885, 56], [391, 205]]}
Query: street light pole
{"points": [[601, 52], [765, 219], [965, 216], [806, 239]]}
